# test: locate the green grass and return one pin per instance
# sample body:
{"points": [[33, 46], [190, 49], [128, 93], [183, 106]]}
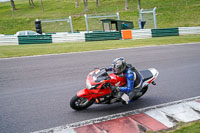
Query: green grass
{"points": [[188, 128], [193, 127], [41, 49], [170, 13]]}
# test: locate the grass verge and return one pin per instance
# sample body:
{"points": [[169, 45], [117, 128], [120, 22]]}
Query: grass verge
{"points": [[170, 13], [193, 127], [42, 49]]}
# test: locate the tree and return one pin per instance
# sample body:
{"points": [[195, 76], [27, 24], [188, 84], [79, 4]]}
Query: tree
{"points": [[85, 5], [13, 5], [76, 3], [139, 7], [42, 5], [126, 4], [97, 3], [31, 3]]}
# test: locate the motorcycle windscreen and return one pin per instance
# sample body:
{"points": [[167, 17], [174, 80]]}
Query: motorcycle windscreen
{"points": [[100, 75]]}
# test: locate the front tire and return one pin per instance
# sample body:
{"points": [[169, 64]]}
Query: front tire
{"points": [[80, 103]]}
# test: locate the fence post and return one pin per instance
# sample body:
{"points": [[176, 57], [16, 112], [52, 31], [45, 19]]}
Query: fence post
{"points": [[70, 21], [140, 18], [86, 22], [118, 16], [154, 17]]}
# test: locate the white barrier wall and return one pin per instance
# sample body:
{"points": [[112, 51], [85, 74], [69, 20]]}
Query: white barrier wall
{"points": [[189, 30], [68, 37], [80, 37], [141, 34], [8, 40]]}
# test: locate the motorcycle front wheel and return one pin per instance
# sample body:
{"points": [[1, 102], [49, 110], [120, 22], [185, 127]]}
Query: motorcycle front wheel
{"points": [[80, 103]]}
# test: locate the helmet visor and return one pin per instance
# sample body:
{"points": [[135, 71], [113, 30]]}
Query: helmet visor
{"points": [[117, 68]]}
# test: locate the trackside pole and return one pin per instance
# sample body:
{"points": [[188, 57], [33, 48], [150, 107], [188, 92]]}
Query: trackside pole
{"points": [[154, 17], [86, 22], [146, 11], [118, 18], [70, 21]]}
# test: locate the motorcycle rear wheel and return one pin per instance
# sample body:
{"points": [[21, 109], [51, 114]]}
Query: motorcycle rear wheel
{"points": [[80, 103], [144, 90]]}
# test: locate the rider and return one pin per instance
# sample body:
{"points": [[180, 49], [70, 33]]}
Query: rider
{"points": [[133, 78]]}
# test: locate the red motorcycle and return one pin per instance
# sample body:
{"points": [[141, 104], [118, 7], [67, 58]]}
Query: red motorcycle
{"points": [[98, 88]]}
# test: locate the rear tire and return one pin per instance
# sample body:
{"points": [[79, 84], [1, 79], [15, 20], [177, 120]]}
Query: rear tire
{"points": [[80, 103], [144, 90]]}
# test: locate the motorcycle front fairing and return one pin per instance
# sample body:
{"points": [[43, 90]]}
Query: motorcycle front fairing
{"points": [[85, 93], [94, 82], [95, 93]]}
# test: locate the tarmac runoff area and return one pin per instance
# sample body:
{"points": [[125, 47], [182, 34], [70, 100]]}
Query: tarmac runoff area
{"points": [[152, 118]]}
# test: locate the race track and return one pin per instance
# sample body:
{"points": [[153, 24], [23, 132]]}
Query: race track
{"points": [[35, 91]]}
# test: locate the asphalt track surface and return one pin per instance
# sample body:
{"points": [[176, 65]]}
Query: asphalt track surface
{"points": [[35, 91]]}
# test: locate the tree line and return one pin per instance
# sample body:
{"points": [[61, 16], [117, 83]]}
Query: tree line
{"points": [[13, 4], [85, 2]]}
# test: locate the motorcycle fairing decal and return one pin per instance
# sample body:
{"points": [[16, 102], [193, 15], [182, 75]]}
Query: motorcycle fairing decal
{"points": [[151, 80], [117, 84], [97, 71]]}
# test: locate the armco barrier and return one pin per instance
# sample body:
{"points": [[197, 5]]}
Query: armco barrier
{"points": [[189, 30], [141, 34], [165, 32], [96, 36], [101, 36], [8, 40], [68, 37], [34, 39]]}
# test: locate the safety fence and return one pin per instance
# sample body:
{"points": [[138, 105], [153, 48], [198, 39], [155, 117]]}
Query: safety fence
{"points": [[8, 40], [141, 34], [149, 33], [165, 32], [68, 37], [189, 30], [35, 39], [97, 36], [102, 36]]}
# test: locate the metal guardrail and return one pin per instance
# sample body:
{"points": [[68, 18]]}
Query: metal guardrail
{"points": [[84, 36]]}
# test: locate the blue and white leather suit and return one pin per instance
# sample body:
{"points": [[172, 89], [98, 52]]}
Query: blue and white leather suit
{"points": [[133, 81], [130, 82]]}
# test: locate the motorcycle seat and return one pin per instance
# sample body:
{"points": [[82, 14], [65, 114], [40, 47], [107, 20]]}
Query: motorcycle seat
{"points": [[146, 74]]}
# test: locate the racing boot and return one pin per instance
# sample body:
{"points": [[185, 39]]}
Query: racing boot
{"points": [[125, 99]]}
